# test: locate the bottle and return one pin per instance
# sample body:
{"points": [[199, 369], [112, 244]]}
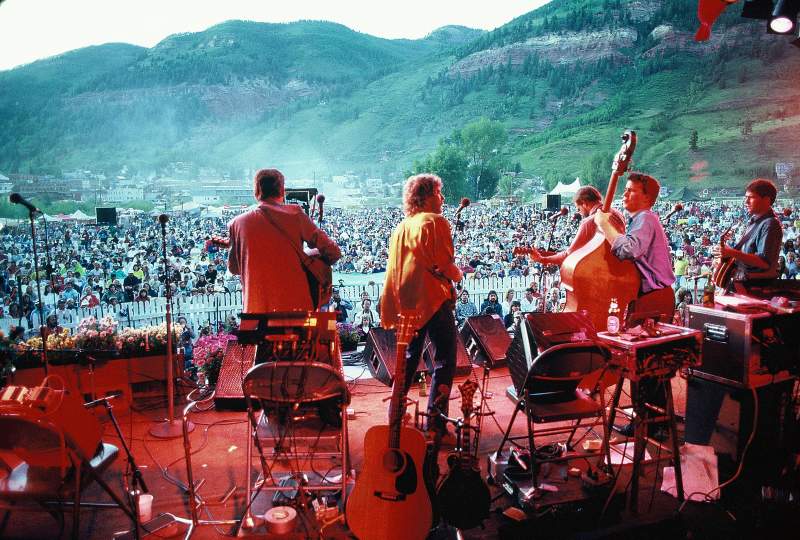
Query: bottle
{"points": [[708, 294], [612, 323]]}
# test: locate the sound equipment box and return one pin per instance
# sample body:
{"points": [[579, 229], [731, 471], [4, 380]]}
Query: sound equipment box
{"points": [[553, 203], [236, 363], [380, 355], [738, 345], [486, 340], [106, 216]]}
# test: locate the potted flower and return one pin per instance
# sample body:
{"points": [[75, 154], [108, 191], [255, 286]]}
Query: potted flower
{"points": [[348, 336], [208, 354], [97, 335]]}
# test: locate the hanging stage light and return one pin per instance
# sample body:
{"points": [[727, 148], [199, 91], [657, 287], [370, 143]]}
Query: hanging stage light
{"points": [[784, 17]]}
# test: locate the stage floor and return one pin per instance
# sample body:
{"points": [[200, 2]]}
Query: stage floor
{"points": [[219, 462]]}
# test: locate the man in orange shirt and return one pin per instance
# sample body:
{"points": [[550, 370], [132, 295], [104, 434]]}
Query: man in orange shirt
{"points": [[419, 279]]}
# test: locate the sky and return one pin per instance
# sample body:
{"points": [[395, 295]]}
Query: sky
{"points": [[34, 29]]}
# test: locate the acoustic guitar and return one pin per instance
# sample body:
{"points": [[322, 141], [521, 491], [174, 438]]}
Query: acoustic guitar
{"points": [[592, 275], [463, 496], [390, 500]]}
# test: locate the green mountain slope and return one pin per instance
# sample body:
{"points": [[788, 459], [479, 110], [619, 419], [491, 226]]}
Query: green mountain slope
{"points": [[316, 98]]}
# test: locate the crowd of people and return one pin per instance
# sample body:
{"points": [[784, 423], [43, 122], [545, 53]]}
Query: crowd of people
{"points": [[93, 265]]}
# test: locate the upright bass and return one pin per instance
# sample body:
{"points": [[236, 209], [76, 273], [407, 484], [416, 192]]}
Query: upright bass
{"points": [[592, 275]]}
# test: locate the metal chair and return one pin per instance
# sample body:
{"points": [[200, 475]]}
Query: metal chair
{"points": [[294, 386], [48, 469], [550, 393]]}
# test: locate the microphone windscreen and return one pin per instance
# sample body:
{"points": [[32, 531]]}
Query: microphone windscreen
{"points": [[464, 202], [163, 218], [678, 207], [564, 210], [321, 198], [14, 198], [787, 212]]}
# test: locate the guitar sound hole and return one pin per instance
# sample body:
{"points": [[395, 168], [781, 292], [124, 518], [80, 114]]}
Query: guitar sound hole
{"points": [[393, 461]]}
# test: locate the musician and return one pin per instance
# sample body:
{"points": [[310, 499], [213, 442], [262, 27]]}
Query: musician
{"points": [[272, 276], [756, 253], [588, 201], [418, 278], [644, 242]]}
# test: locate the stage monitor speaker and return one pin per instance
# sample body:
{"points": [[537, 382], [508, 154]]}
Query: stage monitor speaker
{"points": [[304, 197], [379, 354], [486, 340], [463, 364], [553, 203], [106, 216], [237, 361]]}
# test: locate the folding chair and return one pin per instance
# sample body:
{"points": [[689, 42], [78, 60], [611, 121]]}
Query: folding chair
{"points": [[550, 393], [45, 467]]}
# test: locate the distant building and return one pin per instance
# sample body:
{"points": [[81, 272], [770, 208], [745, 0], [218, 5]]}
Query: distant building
{"points": [[123, 194]]}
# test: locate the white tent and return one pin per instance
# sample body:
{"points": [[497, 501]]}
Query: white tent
{"points": [[77, 215], [566, 190]]}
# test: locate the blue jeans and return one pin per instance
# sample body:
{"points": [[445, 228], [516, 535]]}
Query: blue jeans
{"points": [[441, 328]]}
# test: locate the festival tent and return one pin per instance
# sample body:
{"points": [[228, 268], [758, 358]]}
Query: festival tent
{"points": [[77, 215], [566, 190], [684, 194], [48, 217]]}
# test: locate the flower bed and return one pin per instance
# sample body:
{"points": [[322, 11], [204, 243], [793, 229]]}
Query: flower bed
{"points": [[208, 354]]}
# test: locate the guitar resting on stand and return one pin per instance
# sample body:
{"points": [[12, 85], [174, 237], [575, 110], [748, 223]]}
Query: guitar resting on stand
{"points": [[390, 500]]}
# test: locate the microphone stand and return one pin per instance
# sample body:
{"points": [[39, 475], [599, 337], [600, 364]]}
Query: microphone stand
{"points": [[47, 255], [42, 322], [171, 428]]}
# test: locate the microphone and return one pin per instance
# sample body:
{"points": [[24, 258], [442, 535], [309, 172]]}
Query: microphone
{"points": [[99, 401], [577, 216], [464, 203], [321, 202], [163, 218], [787, 212], [16, 198], [562, 212], [677, 208]]}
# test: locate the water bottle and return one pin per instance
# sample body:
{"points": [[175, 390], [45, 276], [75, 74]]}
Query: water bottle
{"points": [[612, 323]]}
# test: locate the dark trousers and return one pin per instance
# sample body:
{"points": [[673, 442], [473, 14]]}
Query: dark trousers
{"points": [[441, 328]]}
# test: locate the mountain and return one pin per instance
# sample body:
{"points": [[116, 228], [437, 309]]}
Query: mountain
{"points": [[316, 98]]}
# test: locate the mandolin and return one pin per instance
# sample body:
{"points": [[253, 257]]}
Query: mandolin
{"points": [[390, 500], [463, 496], [592, 275]]}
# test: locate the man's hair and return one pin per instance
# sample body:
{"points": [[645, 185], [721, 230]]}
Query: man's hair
{"points": [[763, 188], [418, 190], [587, 194], [650, 186], [268, 183]]}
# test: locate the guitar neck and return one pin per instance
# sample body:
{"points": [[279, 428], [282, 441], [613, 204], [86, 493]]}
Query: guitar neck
{"points": [[398, 396]]}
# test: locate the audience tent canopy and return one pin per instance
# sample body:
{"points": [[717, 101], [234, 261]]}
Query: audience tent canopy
{"points": [[684, 194], [566, 190]]}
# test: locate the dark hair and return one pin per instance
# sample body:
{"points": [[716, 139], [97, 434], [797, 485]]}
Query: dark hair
{"points": [[650, 185], [763, 188], [268, 184], [587, 194]]}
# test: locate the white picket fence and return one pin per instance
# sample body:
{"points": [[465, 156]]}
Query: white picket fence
{"points": [[214, 309]]}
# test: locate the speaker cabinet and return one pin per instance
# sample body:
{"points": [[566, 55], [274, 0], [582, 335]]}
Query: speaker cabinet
{"points": [[553, 203], [106, 216], [380, 355], [486, 340]]}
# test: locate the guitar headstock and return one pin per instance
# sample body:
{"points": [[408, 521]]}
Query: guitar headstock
{"points": [[623, 158], [467, 394], [407, 326]]}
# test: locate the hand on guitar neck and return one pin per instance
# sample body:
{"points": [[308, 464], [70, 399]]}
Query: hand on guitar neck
{"points": [[536, 255]]}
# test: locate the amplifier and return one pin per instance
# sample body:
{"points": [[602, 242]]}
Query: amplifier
{"points": [[737, 346]]}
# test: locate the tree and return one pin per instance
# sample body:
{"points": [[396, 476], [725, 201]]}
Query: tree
{"points": [[483, 142], [448, 163], [693, 140]]}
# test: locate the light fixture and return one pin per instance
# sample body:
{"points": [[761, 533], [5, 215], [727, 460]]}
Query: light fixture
{"points": [[784, 17]]}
